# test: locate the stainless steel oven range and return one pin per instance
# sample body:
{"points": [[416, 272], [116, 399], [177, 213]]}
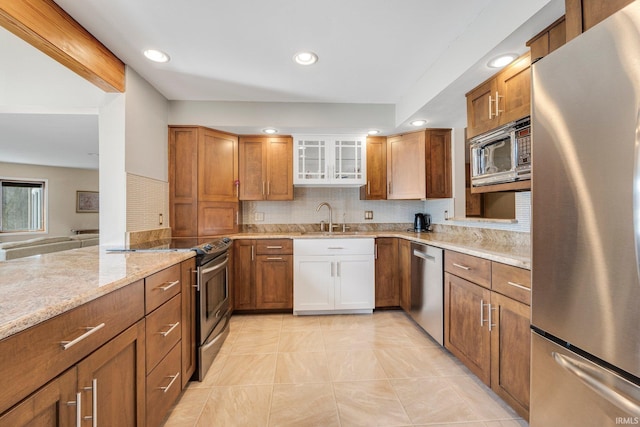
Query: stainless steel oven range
{"points": [[213, 309]]}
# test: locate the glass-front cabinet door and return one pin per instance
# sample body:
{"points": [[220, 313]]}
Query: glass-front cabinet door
{"points": [[330, 160]]}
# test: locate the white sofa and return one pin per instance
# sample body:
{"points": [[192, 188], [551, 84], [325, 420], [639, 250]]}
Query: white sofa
{"points": [[45, 245]]}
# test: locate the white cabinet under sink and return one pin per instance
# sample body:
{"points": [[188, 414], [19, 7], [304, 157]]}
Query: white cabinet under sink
{"points": [[329, 160], [333, 275]]}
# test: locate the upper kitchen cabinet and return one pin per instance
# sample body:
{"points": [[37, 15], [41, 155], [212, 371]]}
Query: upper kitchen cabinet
{"points": [[320, 160], [202, 175], [376, 187], [549, 39], [266, 168], [584, 14], [419, 165], [502, 99]]}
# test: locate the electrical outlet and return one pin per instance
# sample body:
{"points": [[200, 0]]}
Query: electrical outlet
{"points": [[160, 219], [368, 214], [258, 216]]}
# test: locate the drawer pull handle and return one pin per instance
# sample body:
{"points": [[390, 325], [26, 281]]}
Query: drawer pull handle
{"points": [[169, 285], [168, 386], [335, 247], [519, 286], [274, 258], [172, 327], [274, 247], [464, 267], [90, 330]]}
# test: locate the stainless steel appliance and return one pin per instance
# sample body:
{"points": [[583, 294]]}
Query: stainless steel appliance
{"points": [[212, 301], [427, 287], [502, 155], [586, 229]]}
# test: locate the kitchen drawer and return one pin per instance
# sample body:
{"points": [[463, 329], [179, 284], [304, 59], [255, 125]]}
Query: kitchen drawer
{"points": [[163, 387], [474, 269], [334, 246], [163, 331], [274, 247], [511, 281], [36, 355], [161, 286]]}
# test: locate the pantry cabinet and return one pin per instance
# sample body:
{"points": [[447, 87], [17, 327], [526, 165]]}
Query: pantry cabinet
{"points": [[263, 274], [376, 187], [329, 160], [203, 178], [503, 98], [487, 324], [266, 168]]}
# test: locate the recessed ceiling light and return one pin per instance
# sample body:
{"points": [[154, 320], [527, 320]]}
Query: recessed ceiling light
{"points": [[156, 55], [502, 60], [270, 131], [305, 58], [373, 132], [420, 122]]}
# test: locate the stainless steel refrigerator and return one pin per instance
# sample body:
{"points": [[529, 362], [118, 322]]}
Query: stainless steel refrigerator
{"points": [[586, 229]]}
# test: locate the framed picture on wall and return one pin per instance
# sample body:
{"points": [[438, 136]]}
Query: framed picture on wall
{"points": [[87, 202]]}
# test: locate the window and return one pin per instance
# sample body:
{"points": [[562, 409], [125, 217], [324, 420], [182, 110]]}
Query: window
{"points": [[23, 205]]}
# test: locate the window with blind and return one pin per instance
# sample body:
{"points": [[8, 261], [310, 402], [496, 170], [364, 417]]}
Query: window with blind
{"points": [[23, 205]]}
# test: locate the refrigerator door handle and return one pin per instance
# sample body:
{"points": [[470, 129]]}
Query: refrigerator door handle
{"points": [[636, 193], [606, 384]]}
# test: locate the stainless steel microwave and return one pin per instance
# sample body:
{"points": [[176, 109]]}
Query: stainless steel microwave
{"points": [[502, 155]]}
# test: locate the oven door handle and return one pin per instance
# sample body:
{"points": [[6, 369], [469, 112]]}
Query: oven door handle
{"points": [[217, 267]]}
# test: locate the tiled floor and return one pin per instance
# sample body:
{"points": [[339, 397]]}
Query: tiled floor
{"points": [[344, 370]]}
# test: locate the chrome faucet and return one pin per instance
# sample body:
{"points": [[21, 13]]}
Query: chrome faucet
{"points": [[330, 215]]}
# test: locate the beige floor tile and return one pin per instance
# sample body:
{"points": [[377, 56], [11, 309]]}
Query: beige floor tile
{"points": [[432, 401], [301, 340], [507, 423], [307, 405], [261, 322], [354, 365], [484, 402], [369, 403], [259, 341], [444, 362], [245, 369], [240, 406], [344, 340], [407, 362], [302, 367], [342, 322], [295, 323], [188, 409], [472, 424], [211, 378]]}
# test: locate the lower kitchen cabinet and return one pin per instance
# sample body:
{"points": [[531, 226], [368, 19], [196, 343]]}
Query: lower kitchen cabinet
{"points": [[263, 274], [487, 324], [333, 275], [387, 280], [404, 268]]}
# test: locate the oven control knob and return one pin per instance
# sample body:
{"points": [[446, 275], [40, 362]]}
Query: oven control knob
{"points": [[226, 240], [207, 247]]}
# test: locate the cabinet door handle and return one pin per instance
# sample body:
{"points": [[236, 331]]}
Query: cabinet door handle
{"points": [[464, 267], [389, 188], [274, 258], [168, 286], [482, 319], [274, 247], [490, 106], [375, 251], [338, 274], [369, 187], [78, 404], [332, 274], [519, 286], [94, 399], [268, 188], [498, 110], [168, 331], [251, 252], [168, 386], [90, 330], [490, 322]]}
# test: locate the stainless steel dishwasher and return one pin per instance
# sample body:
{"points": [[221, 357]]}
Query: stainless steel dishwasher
{"points": [[427, 289]]}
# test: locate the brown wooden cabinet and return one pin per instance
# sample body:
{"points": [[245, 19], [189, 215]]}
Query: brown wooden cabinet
{"points": [[266, 168], [376, 188], [584, 14], [419, 165], [387, 277], [487, 324], [203, 174], [404, 267], [503, 98], [263, 274], [548, 40]]}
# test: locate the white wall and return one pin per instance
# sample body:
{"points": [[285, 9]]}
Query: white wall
{"points": [[61, 203]]}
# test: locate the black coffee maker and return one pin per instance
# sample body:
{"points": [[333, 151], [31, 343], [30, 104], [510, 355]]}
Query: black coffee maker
{"points": [[421, 222]]}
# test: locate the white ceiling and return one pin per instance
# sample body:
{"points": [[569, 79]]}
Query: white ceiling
{"points": [[418, 56]]}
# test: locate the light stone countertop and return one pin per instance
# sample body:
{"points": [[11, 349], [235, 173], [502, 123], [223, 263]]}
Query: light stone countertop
{"points": [[511, 253], [37, 288]]}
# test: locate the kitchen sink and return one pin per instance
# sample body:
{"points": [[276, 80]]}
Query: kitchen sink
{"points": [[333, 234]]}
